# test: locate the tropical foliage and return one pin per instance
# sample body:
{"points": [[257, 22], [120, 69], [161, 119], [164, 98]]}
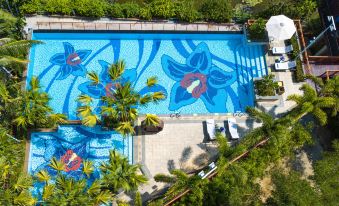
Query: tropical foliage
{"points": [[14, 187], [13, 55], [266, 86], [119, 107], [311, 103], [117, 174], [256, 31]]}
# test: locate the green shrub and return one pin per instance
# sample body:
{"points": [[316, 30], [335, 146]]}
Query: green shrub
{"points": [[90, 8], [115, 11], [256, 31], [58, 7], [145, 13], [217, 10], [186, 11], [131, 10], [266, 86], [299, 72], [32, 7], [162, 9]]}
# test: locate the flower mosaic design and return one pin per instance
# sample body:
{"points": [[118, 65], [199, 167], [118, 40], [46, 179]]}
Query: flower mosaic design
{"points": [[70, 61], [198, 79], [106, 85], [71, 160]]}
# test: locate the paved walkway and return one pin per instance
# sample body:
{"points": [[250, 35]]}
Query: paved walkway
{"points": [[68, 23]]}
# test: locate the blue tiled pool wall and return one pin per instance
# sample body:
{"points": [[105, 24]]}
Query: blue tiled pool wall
{"points": [[221, 64], [83, 142]]}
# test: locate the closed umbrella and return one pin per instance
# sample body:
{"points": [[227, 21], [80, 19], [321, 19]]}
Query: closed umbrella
{"points": [[280, 27]]}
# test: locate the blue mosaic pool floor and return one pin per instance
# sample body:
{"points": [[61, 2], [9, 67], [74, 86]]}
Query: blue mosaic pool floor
{"points": [[199, 73]]}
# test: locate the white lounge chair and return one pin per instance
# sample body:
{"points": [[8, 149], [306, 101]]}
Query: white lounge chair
{"points": [[282, 50], [201, 174], [285, 65], [211, 128], [233, 128]]}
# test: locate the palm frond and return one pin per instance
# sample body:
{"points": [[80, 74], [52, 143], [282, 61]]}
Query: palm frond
{"points": [[23, 182], [58, 118], [144, 100], [320, 115], [90, 120], [57, 165], [47, 191], [152, 120], [116, 70], [25, 198], [157, 96], [85, 99], [152, 81], [43, 176], [84, 111], [125, 128], [87, 168], [104, 197], [93, 76]]}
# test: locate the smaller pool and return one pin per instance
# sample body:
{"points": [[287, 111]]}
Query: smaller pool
{"points": [[73, 144]]}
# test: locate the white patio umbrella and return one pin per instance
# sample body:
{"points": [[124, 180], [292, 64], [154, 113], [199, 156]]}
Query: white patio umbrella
{"points": [[280, 27]]}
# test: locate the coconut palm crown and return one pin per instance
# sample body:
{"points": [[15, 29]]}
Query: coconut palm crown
{"points": [[119, 108]]}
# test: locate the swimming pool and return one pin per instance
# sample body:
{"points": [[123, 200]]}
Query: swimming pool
{"points": [[199, 73], [73, 144]]}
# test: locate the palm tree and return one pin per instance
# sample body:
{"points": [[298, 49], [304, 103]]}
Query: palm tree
{"points": [[311, 103], [68, 191], [328, 88], [14, 186], [13, 53], [181, 181], [117, 173], [119, 110], [32, 109]]}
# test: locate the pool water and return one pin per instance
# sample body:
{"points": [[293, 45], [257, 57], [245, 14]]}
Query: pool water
{"points": [[72, 144], [199, 73]]}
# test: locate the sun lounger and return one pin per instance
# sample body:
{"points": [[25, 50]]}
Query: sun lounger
{"points": [[233, 128], [211, 128], [201, 174], [282, 50], [285, 65]]}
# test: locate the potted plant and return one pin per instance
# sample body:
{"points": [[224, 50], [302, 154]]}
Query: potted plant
{"points": [[266, 86], [152, 123]]}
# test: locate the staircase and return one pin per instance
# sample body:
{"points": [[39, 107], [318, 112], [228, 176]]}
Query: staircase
{"points": [[250, 61]]}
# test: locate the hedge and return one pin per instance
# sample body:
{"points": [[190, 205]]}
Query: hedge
{"points": [[299, 72], [183, 10]]}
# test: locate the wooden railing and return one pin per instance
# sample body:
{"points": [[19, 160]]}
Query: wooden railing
{"points": [[324, 59], [329, 73], [212, 175]]}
